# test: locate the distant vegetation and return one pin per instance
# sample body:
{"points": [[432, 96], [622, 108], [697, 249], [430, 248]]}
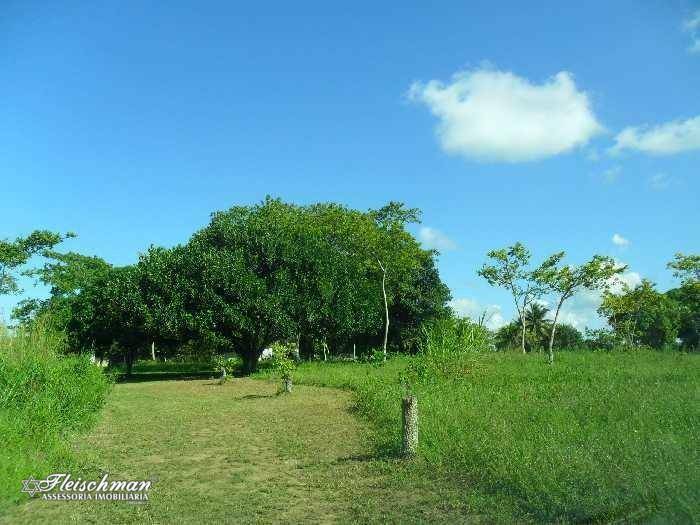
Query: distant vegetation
{"points": [[327, 279]]}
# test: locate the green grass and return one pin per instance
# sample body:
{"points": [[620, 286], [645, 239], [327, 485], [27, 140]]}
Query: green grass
{"points": [[240, 453], [596, 437], [44, 400]]}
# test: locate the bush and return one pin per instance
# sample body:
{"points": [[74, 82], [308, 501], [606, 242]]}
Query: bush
{"points": [[282, 363], [44, 396]]}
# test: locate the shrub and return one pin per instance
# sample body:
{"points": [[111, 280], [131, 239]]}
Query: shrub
{"points": [[282, 362]]}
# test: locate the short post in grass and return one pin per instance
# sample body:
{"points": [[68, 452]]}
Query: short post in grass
{"points": [[410, 425]]}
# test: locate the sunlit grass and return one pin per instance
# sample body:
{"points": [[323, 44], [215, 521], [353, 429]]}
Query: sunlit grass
{"points": [[596, 437]]}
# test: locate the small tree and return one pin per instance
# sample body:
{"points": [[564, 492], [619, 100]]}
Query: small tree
{"points": [[567, 280], [510, 270], [283, 364], [391, 248]]}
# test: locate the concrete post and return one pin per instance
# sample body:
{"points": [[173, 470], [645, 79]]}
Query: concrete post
{"points": [[410, 425]]}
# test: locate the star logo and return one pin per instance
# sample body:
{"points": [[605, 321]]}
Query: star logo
{"points": [[31, 486]]}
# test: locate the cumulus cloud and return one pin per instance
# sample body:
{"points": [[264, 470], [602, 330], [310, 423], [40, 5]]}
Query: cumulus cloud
{"points": [[492, 115], [619, 240], [665, 139], [435, 240], [471, 308]]}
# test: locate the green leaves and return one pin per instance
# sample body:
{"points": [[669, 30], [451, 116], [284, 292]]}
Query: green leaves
{"points": [[14, 254], [686, 267]]}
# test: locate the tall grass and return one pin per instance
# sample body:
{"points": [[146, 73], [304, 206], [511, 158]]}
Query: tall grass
{"points": [[597, 437], [44, 397]]}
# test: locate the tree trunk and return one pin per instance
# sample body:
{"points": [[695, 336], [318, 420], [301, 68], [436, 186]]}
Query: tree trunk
{"points": [[250, 361], [306, 347], [153, 350], [354, 355], [551, 335], [386, 307], [129, 361], [522, 336]]}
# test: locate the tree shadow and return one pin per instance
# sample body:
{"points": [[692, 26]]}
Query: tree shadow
{"points": [[163, 376], [254, 396]]}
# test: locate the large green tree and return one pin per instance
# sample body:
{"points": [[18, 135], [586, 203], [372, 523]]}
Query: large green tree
{"points": [[641, 315], [687, 299], [109, 316]]}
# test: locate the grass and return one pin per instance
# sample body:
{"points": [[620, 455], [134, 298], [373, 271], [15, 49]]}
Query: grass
{"points": [[45, 399], [240, 453], [597, 437]]}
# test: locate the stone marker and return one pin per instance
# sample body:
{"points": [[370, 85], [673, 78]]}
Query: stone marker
{"points": [[410, 425]]}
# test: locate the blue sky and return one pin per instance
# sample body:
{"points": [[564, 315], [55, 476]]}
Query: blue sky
{"points": [[559, 126]]}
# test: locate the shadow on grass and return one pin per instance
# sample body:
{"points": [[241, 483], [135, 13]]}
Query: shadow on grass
{"points": [[255, 396], [163, 376]]}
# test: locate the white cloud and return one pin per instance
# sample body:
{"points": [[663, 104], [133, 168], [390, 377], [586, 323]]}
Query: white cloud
{"points": [[665, 139], [494, 115], [660, 181], [435, 239], [471, 308], [619, 240]]}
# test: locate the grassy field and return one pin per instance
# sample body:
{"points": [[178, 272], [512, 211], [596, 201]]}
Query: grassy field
{"points": [[240, 453], [604, 437], [596, 437]]}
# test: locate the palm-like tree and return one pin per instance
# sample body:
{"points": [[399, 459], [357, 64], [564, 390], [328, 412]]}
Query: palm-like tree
{"points": [[538, 325]]}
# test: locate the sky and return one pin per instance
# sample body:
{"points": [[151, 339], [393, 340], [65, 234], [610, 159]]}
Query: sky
{"points": [[564, 125]]}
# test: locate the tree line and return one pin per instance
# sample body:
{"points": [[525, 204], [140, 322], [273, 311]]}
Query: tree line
{"points": [[321, 275], [324, 277], [637, 315]]}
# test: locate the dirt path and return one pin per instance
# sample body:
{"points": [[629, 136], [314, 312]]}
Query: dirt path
{"points": [[239, 453]]}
